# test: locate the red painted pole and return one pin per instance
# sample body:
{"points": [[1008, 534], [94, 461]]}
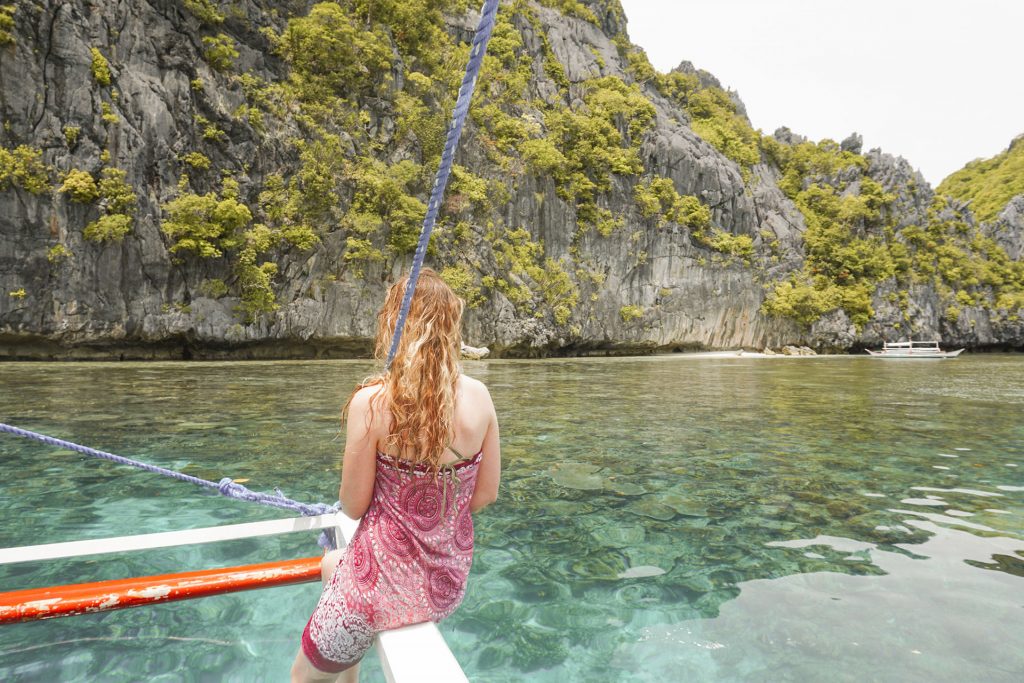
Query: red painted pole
{"points": [[63, 601]]}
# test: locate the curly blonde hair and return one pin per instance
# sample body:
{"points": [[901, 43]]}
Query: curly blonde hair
{"points": [[419, 389]]}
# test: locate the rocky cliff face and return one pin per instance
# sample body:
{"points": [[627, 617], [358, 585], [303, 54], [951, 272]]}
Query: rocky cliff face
{"points": [[597, 205]]}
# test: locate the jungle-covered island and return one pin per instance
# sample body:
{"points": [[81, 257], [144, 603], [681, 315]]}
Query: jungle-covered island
{"points": [[204, 179]]}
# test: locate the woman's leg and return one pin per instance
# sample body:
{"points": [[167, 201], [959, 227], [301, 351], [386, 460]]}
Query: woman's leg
{"points": [[303, 671], [329, 563], [350, 675]]}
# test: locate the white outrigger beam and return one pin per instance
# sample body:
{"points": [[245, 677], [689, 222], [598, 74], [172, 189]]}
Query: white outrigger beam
{"points": [[412, 654]]}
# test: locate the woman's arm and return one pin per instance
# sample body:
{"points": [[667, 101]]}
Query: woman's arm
{"points": [[359, 464], [489, 476]]}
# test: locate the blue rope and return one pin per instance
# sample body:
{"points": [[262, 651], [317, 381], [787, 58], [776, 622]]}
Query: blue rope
{"points": [[476, 58], [226, 487]]}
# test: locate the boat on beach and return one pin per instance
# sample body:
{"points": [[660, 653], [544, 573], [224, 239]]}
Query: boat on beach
{"points": [[913, 349]]}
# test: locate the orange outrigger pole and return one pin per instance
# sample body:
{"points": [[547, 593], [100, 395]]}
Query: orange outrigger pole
{"points": [[64, 601]]}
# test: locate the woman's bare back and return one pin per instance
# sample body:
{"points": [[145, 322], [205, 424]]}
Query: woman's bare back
{"points": [[472, 419]]}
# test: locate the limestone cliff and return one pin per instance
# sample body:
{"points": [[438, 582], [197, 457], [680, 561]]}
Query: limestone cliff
{"points": [[206, 179]]}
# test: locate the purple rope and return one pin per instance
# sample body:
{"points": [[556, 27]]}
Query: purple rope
{"points": [[476, 58], [226, 487]]}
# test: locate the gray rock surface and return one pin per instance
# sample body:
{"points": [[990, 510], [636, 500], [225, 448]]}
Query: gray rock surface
{"points": [[1008, 230], [134, 299], [853, 144]]}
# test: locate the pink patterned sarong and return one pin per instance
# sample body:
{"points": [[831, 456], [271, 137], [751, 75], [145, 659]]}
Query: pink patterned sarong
{"points": [[408, 561]]}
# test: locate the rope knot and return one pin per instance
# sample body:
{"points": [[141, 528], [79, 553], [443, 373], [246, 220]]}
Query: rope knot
{"points": [[229, 488]]}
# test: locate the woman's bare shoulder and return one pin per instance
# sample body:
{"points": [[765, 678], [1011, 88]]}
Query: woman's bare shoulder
{"points": [[472, 384], [475, 389], [363, 396]]}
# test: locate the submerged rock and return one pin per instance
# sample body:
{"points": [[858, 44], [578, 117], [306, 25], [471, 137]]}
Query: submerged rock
{"points": [[624, 488], [698, 583], [577, 475], [597, 566], [619, 535], [683, 505], [652, 509], [574, 615], [643, 571]]}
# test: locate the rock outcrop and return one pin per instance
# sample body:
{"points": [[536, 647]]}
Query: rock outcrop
{"points": [[188, 93], [1008, 230]]}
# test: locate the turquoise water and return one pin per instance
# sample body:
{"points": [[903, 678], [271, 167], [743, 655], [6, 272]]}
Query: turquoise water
{"points": [[661, 519]]}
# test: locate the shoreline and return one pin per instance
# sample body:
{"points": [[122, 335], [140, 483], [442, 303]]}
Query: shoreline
{"points": [[40, 349], [730, 354]]}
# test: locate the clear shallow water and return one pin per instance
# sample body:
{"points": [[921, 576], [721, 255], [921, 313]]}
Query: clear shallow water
{"points": [[661, 519]]}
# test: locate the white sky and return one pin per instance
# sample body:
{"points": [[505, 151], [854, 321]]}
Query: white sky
{"points": [[939, 82]]}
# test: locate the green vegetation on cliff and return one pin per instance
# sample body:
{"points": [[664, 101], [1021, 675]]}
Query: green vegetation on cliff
{"points": [[213, 225], [100, 68], [80, 186], [989, 184], [23, 167], [204, 10], [844, 209], [966, 267], [658, 197], [382, 202], [852, 243], [115, 192], [631, 312], [343, 68], [116, 197], [220, 51], [331, 52], [714, 117], [206, 225], [340, 55], [7, 24], [580, 146], [531, 281], [342, 126], [572, 8], [593, 146]]}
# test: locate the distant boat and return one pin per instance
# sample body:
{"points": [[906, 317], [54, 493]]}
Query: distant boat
{"points": [[913, 349]]}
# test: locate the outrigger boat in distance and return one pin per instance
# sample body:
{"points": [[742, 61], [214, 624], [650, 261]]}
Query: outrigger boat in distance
{"points": [[913, 349]]}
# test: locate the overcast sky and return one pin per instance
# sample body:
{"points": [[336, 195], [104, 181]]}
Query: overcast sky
{"points": [[939, 82]]}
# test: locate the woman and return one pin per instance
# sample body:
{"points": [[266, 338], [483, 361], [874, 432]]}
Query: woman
{"points": [[405, 475]]}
